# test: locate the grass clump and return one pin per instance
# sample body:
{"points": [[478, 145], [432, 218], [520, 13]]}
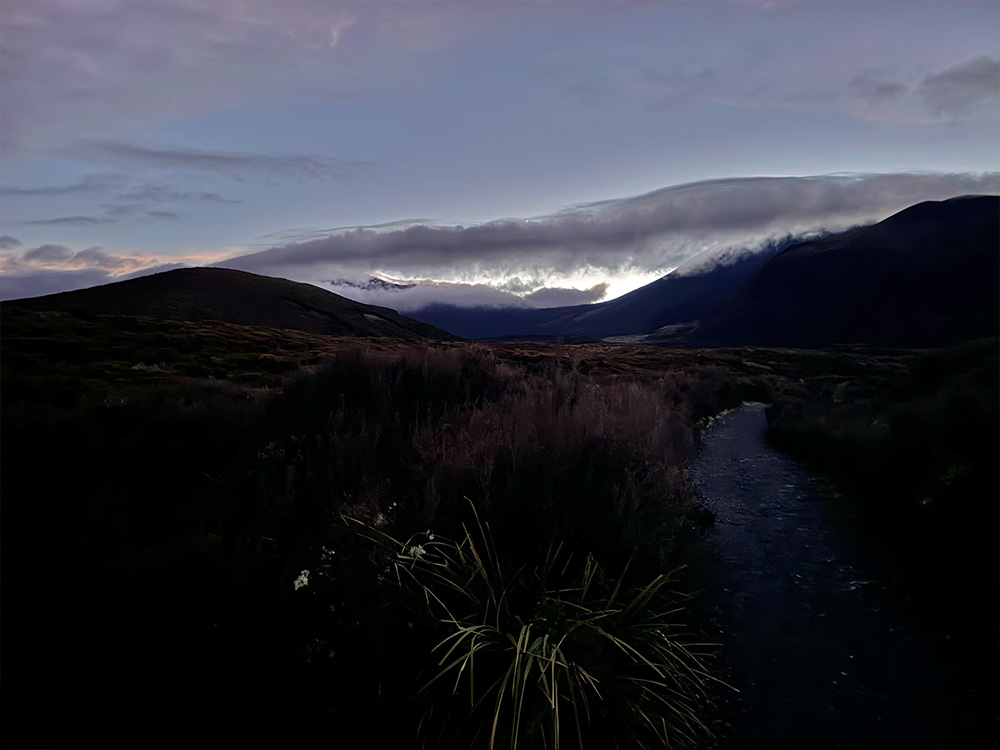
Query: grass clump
{"points": [[557, 655]]}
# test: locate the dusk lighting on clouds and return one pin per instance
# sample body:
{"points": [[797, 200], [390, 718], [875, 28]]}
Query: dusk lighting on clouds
{"points": [[526, 154]]}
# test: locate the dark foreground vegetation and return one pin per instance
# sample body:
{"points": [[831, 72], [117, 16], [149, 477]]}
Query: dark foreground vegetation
{"points": [[181, 571], [218, 535]]}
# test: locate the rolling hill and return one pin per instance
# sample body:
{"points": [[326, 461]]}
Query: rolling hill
{"points": [[220, 294]]}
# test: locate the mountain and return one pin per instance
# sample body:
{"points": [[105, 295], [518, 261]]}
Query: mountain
{"points": [[373, 283], [200, 294], [926, 276], [676, 298]]}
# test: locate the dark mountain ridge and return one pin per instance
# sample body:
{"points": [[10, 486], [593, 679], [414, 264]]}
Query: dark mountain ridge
{"points": [[926, 276], [205, 294]]}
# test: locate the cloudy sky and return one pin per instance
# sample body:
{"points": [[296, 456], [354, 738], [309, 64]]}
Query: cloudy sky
{"points": [[528, 153]]}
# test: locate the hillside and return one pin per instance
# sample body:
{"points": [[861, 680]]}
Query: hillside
{"points": [[926, 276], [225, 295]]}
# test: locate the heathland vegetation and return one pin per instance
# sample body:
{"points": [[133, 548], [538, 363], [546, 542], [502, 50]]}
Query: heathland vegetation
{"points": [[231, 535], [184, 520]]}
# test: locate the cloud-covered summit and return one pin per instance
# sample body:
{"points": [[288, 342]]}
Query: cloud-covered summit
{"points": [[646, 234]]}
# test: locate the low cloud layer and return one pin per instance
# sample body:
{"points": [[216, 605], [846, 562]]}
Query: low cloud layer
{"points": [[647, 233], [417, 294], [572, 257]]}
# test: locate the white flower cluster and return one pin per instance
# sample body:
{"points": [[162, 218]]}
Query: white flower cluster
{"points": [[302, 580]]}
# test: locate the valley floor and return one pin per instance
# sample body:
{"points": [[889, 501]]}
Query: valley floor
{"points": [[166, 485]]}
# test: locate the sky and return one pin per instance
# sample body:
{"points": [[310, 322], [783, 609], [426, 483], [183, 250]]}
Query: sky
{"points": [[502, 153]]}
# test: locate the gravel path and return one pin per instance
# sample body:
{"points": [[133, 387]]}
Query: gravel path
{"points": [[812, 637]]}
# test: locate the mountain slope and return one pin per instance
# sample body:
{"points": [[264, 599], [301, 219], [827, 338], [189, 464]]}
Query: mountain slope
{"points": [[675, 298], [926, 276], [235, 297]]}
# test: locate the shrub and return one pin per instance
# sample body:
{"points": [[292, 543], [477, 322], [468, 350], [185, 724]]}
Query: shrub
{"points": [[563, 654], [599, 465]]}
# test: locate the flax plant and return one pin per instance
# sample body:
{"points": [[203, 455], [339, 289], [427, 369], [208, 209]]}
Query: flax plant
{"points": [[558, 656]]}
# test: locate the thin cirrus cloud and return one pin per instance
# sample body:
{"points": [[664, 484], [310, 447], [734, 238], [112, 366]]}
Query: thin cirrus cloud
{"points": [[963, 86], [163, 215], [871, 86], [646, 233], [92, 184], [140, 201], [108, 183], [238, 165], [153, 192], [967, 91], [964, 89], [7, 242], [69, 221]]}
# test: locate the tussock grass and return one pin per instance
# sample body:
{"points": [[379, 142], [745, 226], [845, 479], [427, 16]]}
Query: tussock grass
{"points": [[562, 655]]}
